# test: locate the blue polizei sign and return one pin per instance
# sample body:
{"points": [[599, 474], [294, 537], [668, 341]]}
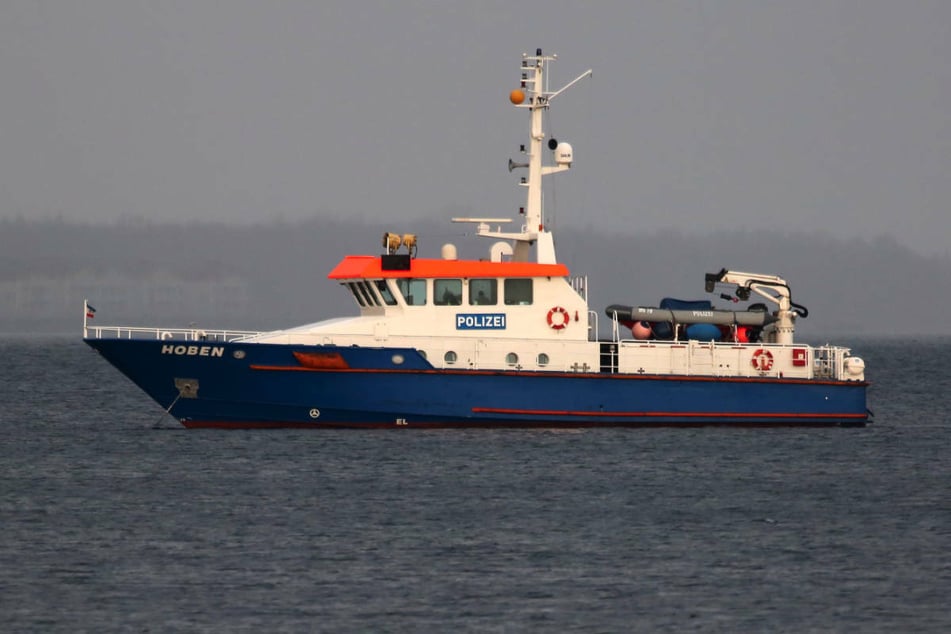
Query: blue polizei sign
{"points": [[480, 321]]}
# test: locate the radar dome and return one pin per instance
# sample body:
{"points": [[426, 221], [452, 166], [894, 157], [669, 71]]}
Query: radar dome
{"points": [[449, 252], [564, 154]]}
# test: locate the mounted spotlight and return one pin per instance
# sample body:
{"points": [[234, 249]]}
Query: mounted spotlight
{"points": [[391, 242], [409, 241]]}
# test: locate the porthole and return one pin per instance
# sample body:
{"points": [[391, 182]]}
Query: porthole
{"points": [[542, 359], [398, 359], [449, 357], [511, 358]]}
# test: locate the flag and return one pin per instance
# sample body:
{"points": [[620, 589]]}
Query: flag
{"points": [[90, 311]]}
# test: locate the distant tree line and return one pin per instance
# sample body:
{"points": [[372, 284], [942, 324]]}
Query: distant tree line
{"points": [[850, 286]]}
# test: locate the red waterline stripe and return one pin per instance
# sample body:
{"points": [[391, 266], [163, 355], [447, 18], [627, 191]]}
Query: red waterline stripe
{"points": [[555, 412], [573, 375], [493, 424]]}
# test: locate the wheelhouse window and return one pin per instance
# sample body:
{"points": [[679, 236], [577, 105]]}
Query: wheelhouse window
{"points": [[385, 293], [447, 292], [368, 295], [518, 292], [352, 286], [412, 290], [483, 292]]}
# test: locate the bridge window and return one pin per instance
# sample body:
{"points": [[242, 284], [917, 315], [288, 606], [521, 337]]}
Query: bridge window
{"points": [[413, 291], [385, 293], [447, 292], [356, 294], [483, 292], [368, 294], [518, 292]]}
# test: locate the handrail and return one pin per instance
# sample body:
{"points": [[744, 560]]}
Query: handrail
{"points": [[579, 283], [828, 361], [171, 334]]}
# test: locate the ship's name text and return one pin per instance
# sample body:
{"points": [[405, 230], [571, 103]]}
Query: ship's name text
{"points": [[194, 351]]}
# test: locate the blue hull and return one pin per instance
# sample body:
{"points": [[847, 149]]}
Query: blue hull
{"points": [[265, 385]]}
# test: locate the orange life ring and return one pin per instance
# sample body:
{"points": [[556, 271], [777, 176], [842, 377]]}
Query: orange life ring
{"points": [[762, 360], [565, 318]]}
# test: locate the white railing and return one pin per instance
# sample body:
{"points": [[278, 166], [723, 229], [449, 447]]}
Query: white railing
{"points": [[580, 285], [169, 334], [732, 359], [593, 325], [829, 361], [689, 358]]}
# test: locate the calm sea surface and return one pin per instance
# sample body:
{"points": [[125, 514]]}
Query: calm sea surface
{"points": [[108, 524]]}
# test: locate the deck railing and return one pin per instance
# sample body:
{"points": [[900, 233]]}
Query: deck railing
{"points": [[829, 361], [731, 359], [580, 285], [176, 334], [690, 358]]}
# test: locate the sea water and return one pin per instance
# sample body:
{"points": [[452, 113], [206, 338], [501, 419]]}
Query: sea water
{"points": [[108, 523]]}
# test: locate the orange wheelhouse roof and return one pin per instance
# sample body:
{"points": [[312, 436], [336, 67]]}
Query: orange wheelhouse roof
{"points": [[370, 267]]}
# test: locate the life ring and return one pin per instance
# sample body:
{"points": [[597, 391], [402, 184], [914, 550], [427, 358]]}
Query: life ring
{"points": [[565, 318], [762, 360]]}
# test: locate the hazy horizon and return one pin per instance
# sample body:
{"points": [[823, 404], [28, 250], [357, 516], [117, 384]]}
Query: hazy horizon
{"points": [[274, 275], [816, 116]]}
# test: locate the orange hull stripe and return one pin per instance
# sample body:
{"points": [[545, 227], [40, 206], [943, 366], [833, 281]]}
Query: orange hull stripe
{"points": [[321, 360]]}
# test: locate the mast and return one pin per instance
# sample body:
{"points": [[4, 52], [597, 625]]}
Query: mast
{"points": [[534, 96]]}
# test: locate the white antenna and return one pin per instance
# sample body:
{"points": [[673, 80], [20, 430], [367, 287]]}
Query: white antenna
{"points": [[535, 96]]}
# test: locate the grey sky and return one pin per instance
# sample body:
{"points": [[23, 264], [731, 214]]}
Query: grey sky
{"points": [[701, 115]]}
